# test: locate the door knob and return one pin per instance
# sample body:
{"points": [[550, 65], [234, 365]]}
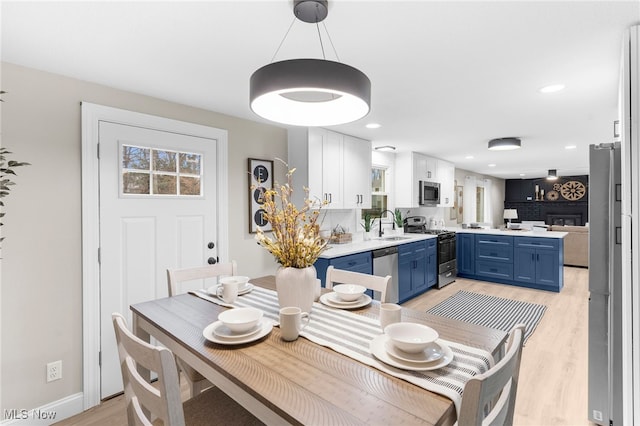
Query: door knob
{"points": [[211, 245], [212, 261]]}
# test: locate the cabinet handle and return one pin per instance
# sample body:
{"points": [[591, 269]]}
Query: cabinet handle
{"points": [[538, 257]]}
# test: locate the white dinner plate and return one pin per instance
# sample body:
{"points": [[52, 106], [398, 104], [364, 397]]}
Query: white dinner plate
{"points": [[225, 332], [378, 349], [334, 298], [245, 290], [208, 333], [433, 352], [327, 300]]}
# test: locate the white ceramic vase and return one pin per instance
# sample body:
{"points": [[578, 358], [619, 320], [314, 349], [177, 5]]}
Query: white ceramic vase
{"points": [[296, 287]]}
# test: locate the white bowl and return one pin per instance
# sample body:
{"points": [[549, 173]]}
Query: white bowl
{"points": [[410, 337], [241, 280], [240, 320], [349, 292]]}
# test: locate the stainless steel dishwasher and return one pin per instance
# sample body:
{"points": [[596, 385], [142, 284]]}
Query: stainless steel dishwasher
{"points": [[385, 262]]}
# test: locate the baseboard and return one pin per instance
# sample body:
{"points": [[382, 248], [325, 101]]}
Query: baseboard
{"points": [[46, 414]]}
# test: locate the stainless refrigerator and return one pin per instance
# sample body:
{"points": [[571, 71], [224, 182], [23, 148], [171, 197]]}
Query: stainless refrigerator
{"points": [[605, 284]]}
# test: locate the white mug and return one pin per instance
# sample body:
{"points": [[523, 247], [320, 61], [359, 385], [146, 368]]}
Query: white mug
{"points": [[291, 322], [229, 290], [389, 314]]}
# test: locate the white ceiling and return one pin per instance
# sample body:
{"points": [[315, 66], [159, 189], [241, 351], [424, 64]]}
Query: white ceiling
{"points": [[446, 76]]}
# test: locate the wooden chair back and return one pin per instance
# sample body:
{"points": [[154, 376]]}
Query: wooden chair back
{"points": [[372, 282], [177, 276], [163, 402], [500, 382]]}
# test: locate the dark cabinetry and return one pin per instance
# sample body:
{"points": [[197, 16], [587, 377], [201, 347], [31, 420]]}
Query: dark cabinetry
{"points": [[417, 268], [534, 262], [359, 262], [537, 263]]}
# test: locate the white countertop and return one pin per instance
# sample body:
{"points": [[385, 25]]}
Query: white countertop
{"points": [[518, 233], [337, 250]]}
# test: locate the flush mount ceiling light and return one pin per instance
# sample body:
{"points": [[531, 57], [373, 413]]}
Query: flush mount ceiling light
{"points": [[504, 144], [552, 175], [310, 92], [386, 148]]}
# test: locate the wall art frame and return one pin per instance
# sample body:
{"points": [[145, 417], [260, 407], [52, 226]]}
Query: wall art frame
{"points": [[260, 180]]}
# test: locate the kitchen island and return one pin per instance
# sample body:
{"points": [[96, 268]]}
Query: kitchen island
{"points": [[517, 257]]}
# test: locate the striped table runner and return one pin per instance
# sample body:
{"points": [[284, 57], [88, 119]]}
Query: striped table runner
{"points": [[350, 335]]}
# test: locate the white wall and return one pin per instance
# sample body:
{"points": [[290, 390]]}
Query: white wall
{"points": [[40, 281]]}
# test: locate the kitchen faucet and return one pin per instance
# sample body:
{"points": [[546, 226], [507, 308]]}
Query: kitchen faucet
{"points": [[393, 222]]}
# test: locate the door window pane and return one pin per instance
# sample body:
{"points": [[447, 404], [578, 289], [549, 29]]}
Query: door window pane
{"points": [[134, 157], [189, 163], [189, 185], [164, 184], [164, 161], [135, 183]]}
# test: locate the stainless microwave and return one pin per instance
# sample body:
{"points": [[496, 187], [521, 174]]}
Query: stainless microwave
{"points": [[429, 194]]}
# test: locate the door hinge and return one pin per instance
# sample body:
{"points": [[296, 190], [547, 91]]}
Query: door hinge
{"points": [[100, 358], [99, 256], [98, 150]]}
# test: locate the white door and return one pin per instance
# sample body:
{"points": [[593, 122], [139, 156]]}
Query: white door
{"points": [[157, 211]]}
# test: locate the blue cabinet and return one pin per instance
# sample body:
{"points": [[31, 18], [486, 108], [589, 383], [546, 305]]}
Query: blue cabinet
{"points": [[417, 268], [534, 262], [538, 263], [494, 256], [359, 262], [466, 254]]}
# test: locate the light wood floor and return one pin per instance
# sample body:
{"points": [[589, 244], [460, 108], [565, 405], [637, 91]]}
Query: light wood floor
{"points": [[553, 374]]}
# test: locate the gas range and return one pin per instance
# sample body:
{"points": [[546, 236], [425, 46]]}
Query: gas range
{"points": [[418, 225]]}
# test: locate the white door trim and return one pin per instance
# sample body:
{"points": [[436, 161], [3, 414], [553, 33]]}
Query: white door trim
{"points": [[92, 114]]}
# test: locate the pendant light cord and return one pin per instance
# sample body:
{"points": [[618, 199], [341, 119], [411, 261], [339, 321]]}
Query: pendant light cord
{"points": [[330, 41], [319, 37], [283, 38]]}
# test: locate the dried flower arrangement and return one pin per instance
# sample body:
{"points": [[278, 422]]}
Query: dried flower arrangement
{"points": [[296, 241]]}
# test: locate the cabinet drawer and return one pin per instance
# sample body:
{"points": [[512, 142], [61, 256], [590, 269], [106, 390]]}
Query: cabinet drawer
{"points": [[497, 253], [355, 262], [538, 243], [494, 269], [495, 240]]}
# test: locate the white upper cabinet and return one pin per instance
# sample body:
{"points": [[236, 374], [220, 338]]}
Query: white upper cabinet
{"points": [[446, 177], [335, 167], [412, 167], [357, 173]]}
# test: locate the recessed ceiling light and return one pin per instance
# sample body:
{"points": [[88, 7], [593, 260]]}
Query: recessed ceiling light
{"points": [[491, 165], [552, 88], [522, 174], [385, 148], [469, 157], [570, 147], [373, 126]]}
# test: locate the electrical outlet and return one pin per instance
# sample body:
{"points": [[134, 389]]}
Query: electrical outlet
{"points": [[597, 415], [54, 371]]}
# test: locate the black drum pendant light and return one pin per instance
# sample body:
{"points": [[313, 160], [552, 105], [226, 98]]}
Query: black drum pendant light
{"points": [[310, 92]]}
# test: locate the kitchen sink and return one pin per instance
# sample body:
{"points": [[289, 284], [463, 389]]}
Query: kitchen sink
{"points": [[394, 238]]}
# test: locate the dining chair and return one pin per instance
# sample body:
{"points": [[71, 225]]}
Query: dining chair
{"points": [[499, 384], [372, 282], [175, 277], [163, 401]]}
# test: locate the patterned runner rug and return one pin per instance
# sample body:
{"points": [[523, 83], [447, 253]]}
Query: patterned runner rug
{"points": [[490, 311]]}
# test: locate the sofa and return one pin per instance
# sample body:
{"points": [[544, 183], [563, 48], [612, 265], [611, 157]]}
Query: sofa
{"points": [[576, 244]]}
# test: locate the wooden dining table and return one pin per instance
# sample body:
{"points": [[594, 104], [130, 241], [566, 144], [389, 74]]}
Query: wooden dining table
{"points": [[301, 382]]}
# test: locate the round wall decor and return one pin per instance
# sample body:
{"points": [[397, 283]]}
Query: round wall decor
{"points": [[552, 195], [573, 190]]}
